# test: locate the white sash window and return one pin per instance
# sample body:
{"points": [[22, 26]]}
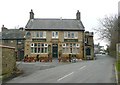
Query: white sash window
{"points": [[70, 35], [54, 34], [65, 35], [76, 35], [40, 34]]}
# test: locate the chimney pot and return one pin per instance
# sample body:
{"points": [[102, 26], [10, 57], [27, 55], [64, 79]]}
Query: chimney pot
{"points": [[78, 17], [31, 14]]}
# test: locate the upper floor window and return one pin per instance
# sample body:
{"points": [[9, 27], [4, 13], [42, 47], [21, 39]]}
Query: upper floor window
{"points": [[54, 34], [70, 35], [39, 34]]}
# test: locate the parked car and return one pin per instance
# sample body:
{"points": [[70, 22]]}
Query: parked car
{"points": [[102, 52]]}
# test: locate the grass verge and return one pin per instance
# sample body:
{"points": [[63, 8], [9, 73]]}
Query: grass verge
{"points": [[118, 65]]}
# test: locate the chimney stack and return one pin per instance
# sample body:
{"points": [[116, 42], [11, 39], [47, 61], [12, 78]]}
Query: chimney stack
{"points": [[4, 28], [31, 14], [78, 17]]}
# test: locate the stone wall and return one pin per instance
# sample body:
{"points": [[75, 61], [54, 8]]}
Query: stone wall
{"points": [[8, 60], [59, 41]]}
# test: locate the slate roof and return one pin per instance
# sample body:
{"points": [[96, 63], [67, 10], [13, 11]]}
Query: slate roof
{"points": [[54, 24], [12, 34]]}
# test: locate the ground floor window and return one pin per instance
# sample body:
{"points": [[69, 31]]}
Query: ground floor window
{"points": [[71, 48], [88, 51], [39, 48]]}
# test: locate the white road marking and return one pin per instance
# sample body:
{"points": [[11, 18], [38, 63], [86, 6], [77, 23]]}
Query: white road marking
{"points": [[65, 76], [82, 67]]}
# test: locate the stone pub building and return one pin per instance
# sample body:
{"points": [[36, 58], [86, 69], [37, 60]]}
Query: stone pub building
{"points": [[54, 36]]}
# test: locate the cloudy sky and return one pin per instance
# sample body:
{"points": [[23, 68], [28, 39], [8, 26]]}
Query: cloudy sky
{"points": [[15, 13]]}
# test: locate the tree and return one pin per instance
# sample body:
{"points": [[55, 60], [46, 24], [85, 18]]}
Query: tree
{"points": [[108, 31]]}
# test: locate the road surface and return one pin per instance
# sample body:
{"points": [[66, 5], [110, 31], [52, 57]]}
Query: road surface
{"points": [[100, 70]]}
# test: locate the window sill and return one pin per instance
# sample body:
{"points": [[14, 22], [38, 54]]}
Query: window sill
{"points": [[55, 38]]}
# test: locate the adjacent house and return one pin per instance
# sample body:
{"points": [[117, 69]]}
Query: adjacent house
{"points": [[54, 36], [14, 38], [98, 49], [89, 45]]}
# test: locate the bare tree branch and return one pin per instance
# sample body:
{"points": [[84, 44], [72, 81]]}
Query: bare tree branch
{"points": [[107, 29]]}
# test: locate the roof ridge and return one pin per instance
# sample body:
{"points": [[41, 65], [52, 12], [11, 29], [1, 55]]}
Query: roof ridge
{"points": [[52, 19]]}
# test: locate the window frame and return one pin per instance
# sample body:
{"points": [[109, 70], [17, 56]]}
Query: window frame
{"points": [[55, 34], [70, 35], [73, 48], [65, 35], [39, 34], [40, 48], [76, 35]]}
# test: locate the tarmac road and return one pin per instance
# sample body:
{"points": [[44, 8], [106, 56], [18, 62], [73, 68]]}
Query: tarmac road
{"points": [[100, 70]]}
